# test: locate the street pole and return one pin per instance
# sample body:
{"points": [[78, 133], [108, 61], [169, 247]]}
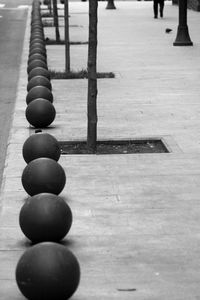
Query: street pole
{"points": [[50, 7], [67, 42], [56, 24], [182, 38], [110, 4]]}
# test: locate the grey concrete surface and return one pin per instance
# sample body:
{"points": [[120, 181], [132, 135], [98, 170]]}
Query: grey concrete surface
{"points": [[12, 24], [136, 217]]}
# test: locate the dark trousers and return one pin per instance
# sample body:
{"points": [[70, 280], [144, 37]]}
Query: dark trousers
{"points": [[157, 3]]}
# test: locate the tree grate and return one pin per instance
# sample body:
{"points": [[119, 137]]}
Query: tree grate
{"points": [[115, 147]]}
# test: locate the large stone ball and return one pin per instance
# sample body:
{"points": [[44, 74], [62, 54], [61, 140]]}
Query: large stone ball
{"points": [[37, 33], [40, 113], [34, 43], [48, 271], [36, 26], [39, 91], [43, 175], [39, 72], [37, 50], [41, 145], [45, 217], [37, 56], [46, 2], [36, 20], [39, 80], [38, 46], [37, 40], [36, 63]]}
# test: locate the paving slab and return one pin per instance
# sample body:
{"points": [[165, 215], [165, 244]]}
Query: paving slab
{"points": [[136, 218]]}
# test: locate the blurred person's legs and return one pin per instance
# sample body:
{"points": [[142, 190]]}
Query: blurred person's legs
{"points": [[155, 8], [162, 3]]}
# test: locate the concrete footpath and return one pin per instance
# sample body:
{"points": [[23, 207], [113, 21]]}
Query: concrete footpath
{"points": [[136, 228]]}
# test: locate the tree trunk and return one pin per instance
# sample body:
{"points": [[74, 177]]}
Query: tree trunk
{"points": [[92, 77], [50, 7], [67, 42], [55, 15]]}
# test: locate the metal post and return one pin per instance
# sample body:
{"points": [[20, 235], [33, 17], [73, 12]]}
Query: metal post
{"points": [[56, 23], [67, 41], [183, 38], [110, 4]]}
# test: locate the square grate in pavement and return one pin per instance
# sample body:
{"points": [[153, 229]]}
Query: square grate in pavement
{"points": [[137, 146]]}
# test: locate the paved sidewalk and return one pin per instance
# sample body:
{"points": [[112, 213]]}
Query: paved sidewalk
{"points": [[136, 217]]}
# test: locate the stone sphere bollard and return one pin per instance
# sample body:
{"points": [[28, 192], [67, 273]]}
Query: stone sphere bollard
{"points": [[41, 145], [37, 56], [48, 271], [38, 46], [36, 20], [37, 40], [46, 2], [35, 44], [36, 25], [39, 72], [39, 91], [45, 217], [37, 50], [37, 32], [43, 175], [39, 80], [40, 113], [36, 63]]}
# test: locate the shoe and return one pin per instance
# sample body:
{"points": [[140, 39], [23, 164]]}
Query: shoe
{"points": [[155, 17]]}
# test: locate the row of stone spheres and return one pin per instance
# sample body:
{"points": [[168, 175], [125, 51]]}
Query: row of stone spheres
{"points": [[47, 270]]}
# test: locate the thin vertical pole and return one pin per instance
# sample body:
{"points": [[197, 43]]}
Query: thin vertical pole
{"points": [[50, 7], [67, 41], [55, 14], [92, 77]]}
